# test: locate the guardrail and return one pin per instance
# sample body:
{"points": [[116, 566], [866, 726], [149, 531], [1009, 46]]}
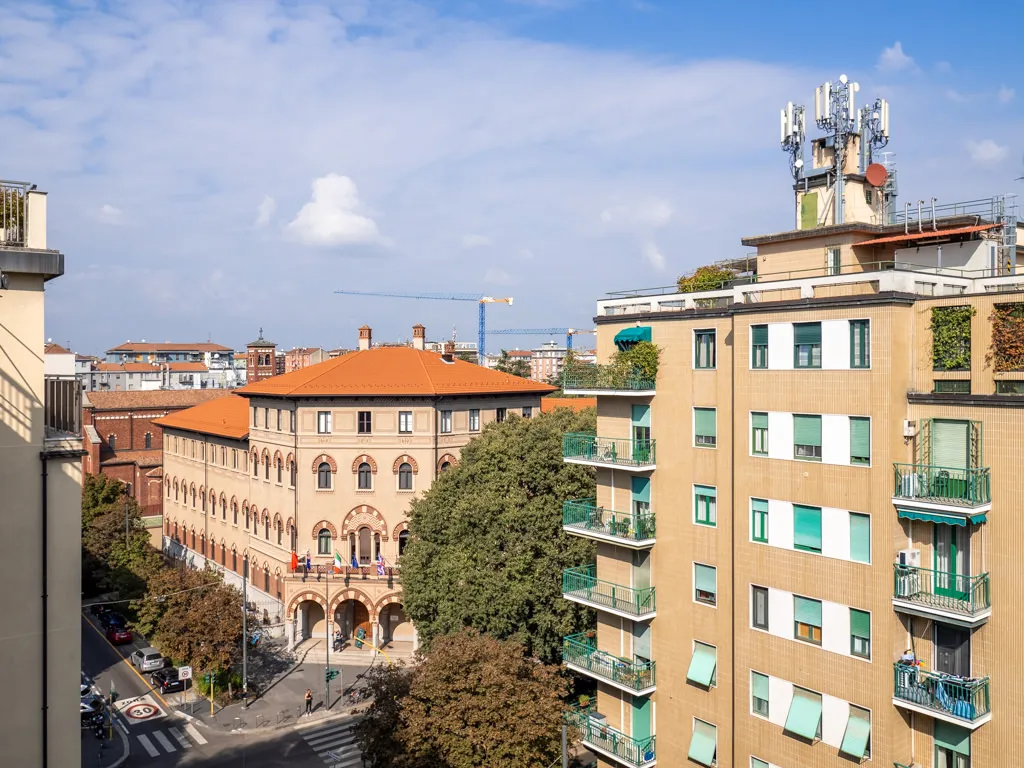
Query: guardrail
{"points": [[952, 592], [595, 733], [14, 213], [585, 515], [614, 451], [62, 406], [582, 583], [609, 377], [947, 485], [964, 699], [580, 651]]}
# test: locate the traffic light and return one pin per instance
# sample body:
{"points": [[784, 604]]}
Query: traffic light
{"points": [[330, 674]]}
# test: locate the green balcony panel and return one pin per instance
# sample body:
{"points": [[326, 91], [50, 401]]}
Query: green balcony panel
{"points": [[585, 516], [595, 734], [957, 486], [610, 378], [950, 592], [582, 583], [580, 651], [612, 451], [966, 700]]}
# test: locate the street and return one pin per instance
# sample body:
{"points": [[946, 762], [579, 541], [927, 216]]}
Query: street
{"points": [[158, 737]]}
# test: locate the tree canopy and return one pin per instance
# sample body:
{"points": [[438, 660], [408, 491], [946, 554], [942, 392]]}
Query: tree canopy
{"points": [[516, 366], [486, 545]]}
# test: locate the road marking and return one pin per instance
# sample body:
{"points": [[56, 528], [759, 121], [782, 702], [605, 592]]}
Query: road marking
{"points": [[328, 740], [185, 743], [195, 734], [164, 741], [153, 751], [126, 660]]}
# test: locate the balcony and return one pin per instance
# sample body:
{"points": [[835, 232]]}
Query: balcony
{"points": [[608, 742], [606, 380], [952, 699], [581, 585], [953, 598], [62, 412], [344, 576], [956, 495], [580, 655], [623, 453], [584, 518]]}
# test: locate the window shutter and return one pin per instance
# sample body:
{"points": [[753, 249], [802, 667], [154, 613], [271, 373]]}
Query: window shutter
{"points": [[641, 488], [706, 490], [703, 743], [759, 685], [806, 429], [807, 527], [860, 624], [641, 415], [759, 334], [759, 420], [759, 505], [807, 611], [704, 421], [705, 578], [949, 444], [807, 333], [860, 437], [860, 537], [953, 737]]}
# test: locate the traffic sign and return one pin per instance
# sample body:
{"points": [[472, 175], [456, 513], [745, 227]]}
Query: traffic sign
{"points": [[184, 673], [330, 674]]}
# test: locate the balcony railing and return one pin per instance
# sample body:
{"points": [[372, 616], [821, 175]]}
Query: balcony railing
{"points": [[595, 734], [580, 651], [582, 584], [614, 451], [13, 213], [62, 407], [952, 592], [585, 516], [954, 697], [942, 485], [606, 377], [346, 573]]}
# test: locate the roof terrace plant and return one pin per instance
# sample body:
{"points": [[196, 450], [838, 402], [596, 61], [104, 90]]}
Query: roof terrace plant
{"points": [[706, 278]]}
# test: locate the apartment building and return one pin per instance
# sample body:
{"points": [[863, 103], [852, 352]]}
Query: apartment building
{"points": [[41, 478], [806, 548], [322, 463]]}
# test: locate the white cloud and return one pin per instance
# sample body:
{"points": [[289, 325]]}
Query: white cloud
{"points": [[332, 217], [497, 276], [265, 211], [650, 213], [1005, 94], [654, 256], [893, 59], [986, 151], [475, 241], [108, 214]]}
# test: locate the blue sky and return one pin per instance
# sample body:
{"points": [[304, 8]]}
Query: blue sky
{"points": [[215, 167]]}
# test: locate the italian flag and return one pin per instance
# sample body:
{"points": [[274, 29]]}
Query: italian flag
{"points": [[338, 562]]}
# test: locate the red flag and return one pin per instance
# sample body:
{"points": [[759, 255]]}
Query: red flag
{"points": [[295, 562]]}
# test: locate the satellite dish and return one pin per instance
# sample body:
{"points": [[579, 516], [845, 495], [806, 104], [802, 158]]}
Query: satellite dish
{"points": [[798, 163], [876, 174]]}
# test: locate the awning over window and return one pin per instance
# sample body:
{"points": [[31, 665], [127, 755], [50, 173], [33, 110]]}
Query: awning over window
{"points": [[855, 740], [702, 665], [627, 337], [940, 518], [804, 714], [703, 744]]}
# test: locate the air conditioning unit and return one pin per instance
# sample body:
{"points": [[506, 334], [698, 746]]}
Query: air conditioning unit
{"points": [[909, 428], [910, 558]]}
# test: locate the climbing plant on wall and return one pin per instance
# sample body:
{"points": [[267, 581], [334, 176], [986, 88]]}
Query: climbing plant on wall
{"points": [[951, 338], [709, 278], [1008, 337]]}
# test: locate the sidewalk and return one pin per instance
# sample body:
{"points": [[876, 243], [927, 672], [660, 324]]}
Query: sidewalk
{"points": [[104, 754]]}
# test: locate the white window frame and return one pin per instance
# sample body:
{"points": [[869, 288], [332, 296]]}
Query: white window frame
{"points": [[405, 422], [446, 422], [474, 419], [323, 422]]}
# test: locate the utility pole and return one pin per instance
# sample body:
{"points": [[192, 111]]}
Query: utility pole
{"points": [[330, 638], [245, 634]]}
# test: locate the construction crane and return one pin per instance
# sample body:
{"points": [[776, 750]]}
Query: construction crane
{"points": [[569, 333], [480, 299]]}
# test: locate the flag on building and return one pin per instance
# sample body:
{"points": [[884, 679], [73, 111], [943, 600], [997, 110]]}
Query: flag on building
{"points": [[295, 562], [338, 562], [309, 562], [380, 564], [355, 562]]}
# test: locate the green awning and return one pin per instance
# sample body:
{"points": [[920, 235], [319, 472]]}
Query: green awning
{"points": [[627, 337], [804, 715], [855, 740], [952, 737], [940, 518], [703, 744], [702, 665]]}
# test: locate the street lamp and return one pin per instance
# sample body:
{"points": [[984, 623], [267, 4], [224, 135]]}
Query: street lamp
{"points": [[245, 634]]}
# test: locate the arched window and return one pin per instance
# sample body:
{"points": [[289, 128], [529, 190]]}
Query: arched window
{"points": [[266, 528], [403, 540], [351, 547], [149, 440], [112, 441], [364, 546], [365, 477], [175, 490], [291, 475], [280, 533], [246, 518], [255, 523], [255, 467], [376, 547], [280, 470], [445, 466], [405, 477], [175, 530], [168, 489], [234, 513], [223, 554], [266, 469], [234, 560], [266, 579], [202, 501], [323, 542], [193, 498], [223, 509], [323, 476]]}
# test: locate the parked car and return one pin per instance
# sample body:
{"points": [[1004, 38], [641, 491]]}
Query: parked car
{"points": [[166, 681], [113, 619], [90, 705], [86, 685], [119, 635], [148, 660]]}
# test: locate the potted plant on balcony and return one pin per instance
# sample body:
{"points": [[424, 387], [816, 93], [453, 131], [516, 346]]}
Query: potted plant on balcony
{"points": [[590, 634], [584, 702]]}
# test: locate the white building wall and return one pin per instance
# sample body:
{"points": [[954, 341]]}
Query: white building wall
{"points": [[780, 613], [780, 696], [835, 344], [835, 533], [780, 346], [835, 628], [834, 714], [780, 524], [780, 435], [835, 439]]}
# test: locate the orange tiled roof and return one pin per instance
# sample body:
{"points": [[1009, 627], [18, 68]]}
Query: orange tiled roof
{"points": [[391, 371], [168, 346], [184, 367], [548, 404], [226, 416], [928, 234], [157, 398], [56, 349]]}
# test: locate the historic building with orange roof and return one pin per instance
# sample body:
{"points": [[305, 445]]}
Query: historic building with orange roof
{"points": [[322, 463]]}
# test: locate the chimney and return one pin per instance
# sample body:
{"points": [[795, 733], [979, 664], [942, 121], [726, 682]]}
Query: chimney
{"points": [[365, 337], [419, 336], [449, 352]]}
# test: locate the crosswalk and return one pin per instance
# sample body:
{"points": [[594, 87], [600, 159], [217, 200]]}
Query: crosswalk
{"points": [[169, 739], [335, 739]]}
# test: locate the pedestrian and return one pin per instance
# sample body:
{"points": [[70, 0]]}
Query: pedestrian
{"points": [[309, 701]]}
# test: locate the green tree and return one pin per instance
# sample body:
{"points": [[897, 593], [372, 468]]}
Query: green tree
{"points": [[487, 547], [377, 731], [477, 702], [517, 366]]}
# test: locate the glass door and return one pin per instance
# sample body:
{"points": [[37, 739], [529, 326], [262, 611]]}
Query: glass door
{"points": [[951, 562], [952, 650], [641, 422], [947, 758]]}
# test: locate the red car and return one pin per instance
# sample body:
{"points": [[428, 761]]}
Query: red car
{"points": [[119, 635]]}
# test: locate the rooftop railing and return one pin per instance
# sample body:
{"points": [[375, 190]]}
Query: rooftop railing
{"points": [[952, 592], [62, 406], [608, 377], [968, 487], [13, 213]]}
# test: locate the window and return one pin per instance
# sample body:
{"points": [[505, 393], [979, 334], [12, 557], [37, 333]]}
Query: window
{"points": [[234, 513], [280, 532], [266, 468], [704, 427], [365, 423], [254, 421], [759, 694], [807, 528], [860, 537], [223, 456], [807, 619], [364, 477], [278, 419], [807, 437], [405, 422], [807, 345], [234, 458], [1004, 387], [323, 542], [405, 477], [403, 541], [759, 607], [860, 633], [323, 476], [833, 261], [703, 743], [705, 584], [704, 505], [280, 472], [952, 745], [527, 411], [804, 717], [291, 421], [703, 663], [291, 474], [255, 466], [959, 387], [446, 422], [759, 520], [499, 415], [266, 526], [860, 343], [759, 434], [112, 442], [445, 466], [759, 346], [323, 422], [704, 349], [860, 440], [474, 419], [266, 418], [857, 738], [756, 762], [149, 440]]}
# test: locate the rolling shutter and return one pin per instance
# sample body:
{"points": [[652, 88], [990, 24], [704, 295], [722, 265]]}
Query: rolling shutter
{"points": [[806, 429], [759, 335], [807, 611], [949, 444], [759, 420], [704, 421], [807, 527], [705, 578], [860, 437], [806, 333]]}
